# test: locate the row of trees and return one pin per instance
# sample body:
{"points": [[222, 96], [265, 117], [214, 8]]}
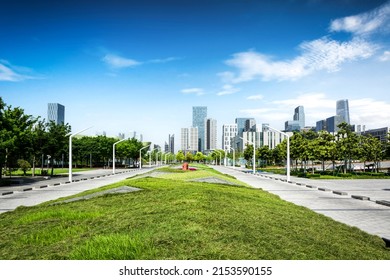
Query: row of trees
{"points": [[27, 142], [345, 146]]}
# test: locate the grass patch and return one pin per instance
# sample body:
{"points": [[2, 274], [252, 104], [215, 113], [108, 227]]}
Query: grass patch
{"points": [[173, 218]]}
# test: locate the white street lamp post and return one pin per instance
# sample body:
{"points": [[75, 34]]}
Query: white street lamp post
{"points": [[113, 155], [288, 150], [254, 154], [140, 156], [70, 150]]}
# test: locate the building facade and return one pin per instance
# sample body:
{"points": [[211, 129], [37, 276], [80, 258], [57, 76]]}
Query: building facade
{"points": [[379, 133], [199, 114], [210, 135], [185, 141], [298, 121], [229, 131], [56, 113], [342, 110], [193, 139]]}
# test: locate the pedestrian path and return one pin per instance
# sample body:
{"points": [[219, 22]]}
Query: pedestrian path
{"points": [[337, 204], [30, 196]]}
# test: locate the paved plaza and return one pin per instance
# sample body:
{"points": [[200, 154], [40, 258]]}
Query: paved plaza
{"points": [[353, 202]]}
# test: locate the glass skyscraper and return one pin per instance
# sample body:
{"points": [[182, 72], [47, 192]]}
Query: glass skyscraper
{"points": [[199, 115], [56, 113], [342, 110]]}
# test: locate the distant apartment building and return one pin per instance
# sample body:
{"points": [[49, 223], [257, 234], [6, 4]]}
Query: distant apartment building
{"points": [[56, 113], [210, 135], [185, 140], [193, 139], [171, 144], [244, 124], [229, 131]]}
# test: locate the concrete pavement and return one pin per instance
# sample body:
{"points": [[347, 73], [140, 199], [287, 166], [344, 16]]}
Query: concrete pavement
{"points": [[333, 199], [36, 193]]}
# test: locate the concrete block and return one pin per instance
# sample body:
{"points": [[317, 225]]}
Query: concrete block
{"points": [[42, 187], [340, 193], [383, 202], [7, 193], [27, 189], [360, 197], [324, 189], [311, 187]]}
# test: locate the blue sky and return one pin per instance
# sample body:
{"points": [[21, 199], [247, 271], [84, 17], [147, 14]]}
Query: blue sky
{"points": [[123, 66]]}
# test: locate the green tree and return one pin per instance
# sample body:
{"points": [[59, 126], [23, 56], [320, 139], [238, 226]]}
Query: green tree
{"points": [[324, 147], [24, 165], [56, 143], [371, 150], [189, 157], [199, 157], [263, 153], [347, 144], [180, 156]]}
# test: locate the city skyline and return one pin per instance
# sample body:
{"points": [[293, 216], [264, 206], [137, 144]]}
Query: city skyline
{"points": [[129, 66]]}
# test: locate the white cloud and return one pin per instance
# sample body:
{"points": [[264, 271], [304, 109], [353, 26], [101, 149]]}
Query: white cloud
{"points": [[385, 56], [118, 62], [164, 60], [366, 23], [255, 97], [228, 89], [370, 112], [196, 91], [11, 73], [321, 54]]}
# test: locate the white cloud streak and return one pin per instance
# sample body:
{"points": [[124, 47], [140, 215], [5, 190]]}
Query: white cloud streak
{"points": [[228, 89], [376, 20], [195, 91], [317, 55], [255, 97], [118, 62], [11, 73], [385, 56]]}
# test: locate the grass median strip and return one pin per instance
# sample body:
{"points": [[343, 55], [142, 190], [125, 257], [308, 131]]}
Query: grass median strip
{"points": [[176, 218]]}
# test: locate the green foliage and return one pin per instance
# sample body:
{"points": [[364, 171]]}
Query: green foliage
{"points": [[180, 156], [24, 165]]}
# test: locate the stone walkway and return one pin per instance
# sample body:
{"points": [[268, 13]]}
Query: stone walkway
{"points": [[333, 199]]}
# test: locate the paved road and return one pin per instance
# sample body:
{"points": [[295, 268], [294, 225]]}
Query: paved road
{"points": [[332, 199], [36, 193]]}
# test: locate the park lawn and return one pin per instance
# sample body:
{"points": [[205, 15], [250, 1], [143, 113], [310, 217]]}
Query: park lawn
{"points": [[173, 218], [57, 171]]}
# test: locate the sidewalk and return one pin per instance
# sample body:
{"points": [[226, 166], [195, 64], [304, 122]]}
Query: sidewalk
{"points": [[332, 199], [31, 195]]}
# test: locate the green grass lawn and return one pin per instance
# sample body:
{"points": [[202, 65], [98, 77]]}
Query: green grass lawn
{"points": [[57, 171], [173, 218]]}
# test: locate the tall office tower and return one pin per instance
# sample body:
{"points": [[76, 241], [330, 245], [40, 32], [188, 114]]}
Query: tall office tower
{"points": [[199, 114], [244, 124], [229, 131], [56, 113], [171, 144], [342, 110], [210, 135], [193, 139], [185, 140], [299, 116]]}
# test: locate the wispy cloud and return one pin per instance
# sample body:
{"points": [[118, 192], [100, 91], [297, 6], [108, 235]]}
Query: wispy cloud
{"points": [[255, 97], [195, 91], [115, 61], [377, 20], [228, 89], [118, 62], [12, 73], [322, 54], [385, 56]]}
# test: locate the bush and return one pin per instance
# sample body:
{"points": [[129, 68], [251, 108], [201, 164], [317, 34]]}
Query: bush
{"points": [[316, 175], [24, 165]]}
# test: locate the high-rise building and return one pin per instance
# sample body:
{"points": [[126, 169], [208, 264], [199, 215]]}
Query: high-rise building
{"points": [[342, 110], [185, 141], [298, 121], [210, 134], [244, 124], [299, 116], [171, 144], [332, 123], [229, 131], [199, 114], [193, 143], [56, 113]]}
